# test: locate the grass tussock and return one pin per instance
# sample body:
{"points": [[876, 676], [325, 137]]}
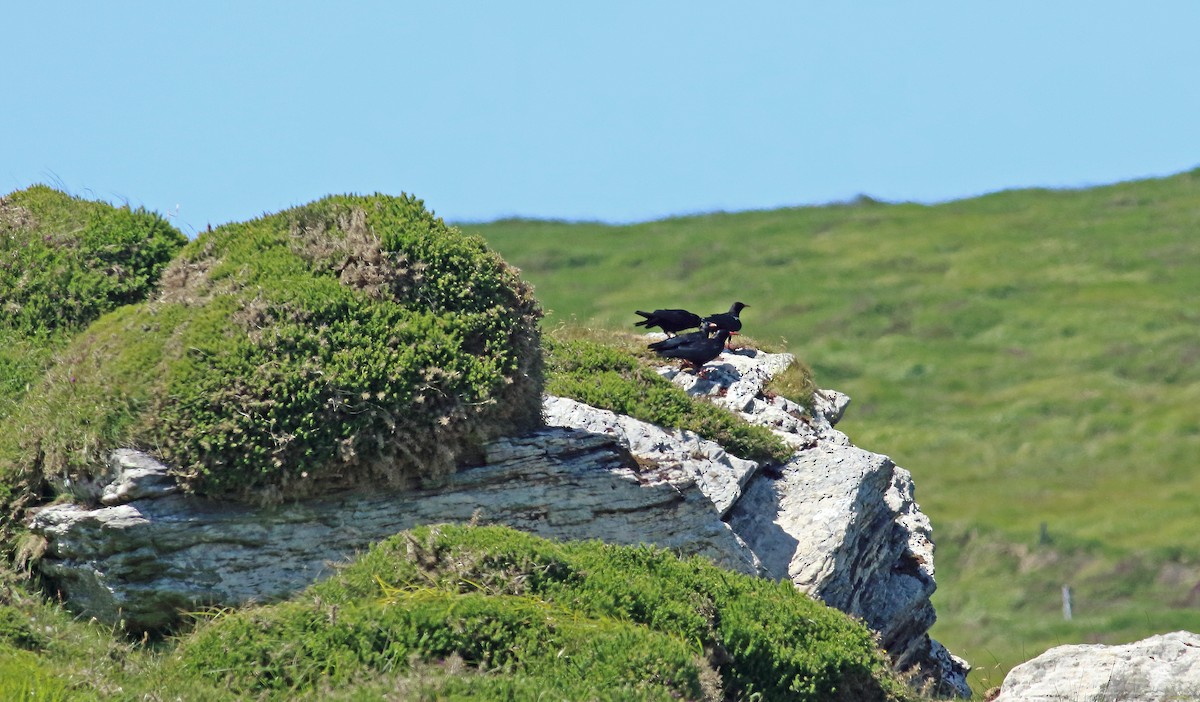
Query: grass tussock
{"points": [[637, 623]]}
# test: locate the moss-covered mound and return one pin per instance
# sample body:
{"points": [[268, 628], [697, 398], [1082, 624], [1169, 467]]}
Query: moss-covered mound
{"points": [[512, 616], [64, 261], [348, 340]]}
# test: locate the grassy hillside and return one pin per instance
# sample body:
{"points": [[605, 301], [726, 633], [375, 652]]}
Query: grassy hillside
{"points": [[1030, 355], [456, 613]]}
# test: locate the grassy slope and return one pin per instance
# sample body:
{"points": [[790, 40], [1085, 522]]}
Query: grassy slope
{"points": [[1029, 355]]}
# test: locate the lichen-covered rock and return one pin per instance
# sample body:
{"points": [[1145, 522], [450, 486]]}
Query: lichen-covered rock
{"points": [[1163, 668], [736, 381], [136, 476], [841, 524]]}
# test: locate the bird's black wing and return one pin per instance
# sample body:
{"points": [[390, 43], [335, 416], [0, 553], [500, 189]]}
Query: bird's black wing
{"points": [[670, 321], [675, 342]]}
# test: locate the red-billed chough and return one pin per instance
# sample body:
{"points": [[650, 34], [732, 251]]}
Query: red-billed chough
{"points": [[674, 342], [697, 348], [670, 321], [726, 320]]}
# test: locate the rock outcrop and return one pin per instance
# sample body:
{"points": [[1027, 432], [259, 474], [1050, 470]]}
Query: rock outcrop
{"points": [[678, 457], [143, 561], [839, 522], [1158, 669]]}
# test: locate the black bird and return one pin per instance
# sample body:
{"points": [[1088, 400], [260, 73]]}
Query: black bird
{"points": [[674, 342], [698, 349], [726, 320], [670, 321]]}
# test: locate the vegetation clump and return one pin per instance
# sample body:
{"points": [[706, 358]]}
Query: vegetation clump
{"points": [[352, 339], [529, 615], [64, 261], [18, 631]]}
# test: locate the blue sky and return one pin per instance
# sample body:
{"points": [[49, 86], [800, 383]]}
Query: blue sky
{"points": [[616, 111]]}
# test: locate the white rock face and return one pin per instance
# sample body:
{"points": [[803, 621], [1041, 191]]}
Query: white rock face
{"points": [[145, 560], [735, 381], [678, 457], [1158, 669], [136, 476], [839, 522]]}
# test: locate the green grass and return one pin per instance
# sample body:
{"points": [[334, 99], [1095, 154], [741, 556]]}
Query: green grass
{"points": [[476, 613], [1031, 356], [23, 677]]}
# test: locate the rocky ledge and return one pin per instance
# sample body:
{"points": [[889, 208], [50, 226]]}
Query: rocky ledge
{"points": [[839, 522]]}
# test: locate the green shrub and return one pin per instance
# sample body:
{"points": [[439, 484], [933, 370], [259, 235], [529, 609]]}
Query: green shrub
{"points": [[352, 339], [576, 618], [16, 630], [64, 261], [298, 645], [610, 377]]}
